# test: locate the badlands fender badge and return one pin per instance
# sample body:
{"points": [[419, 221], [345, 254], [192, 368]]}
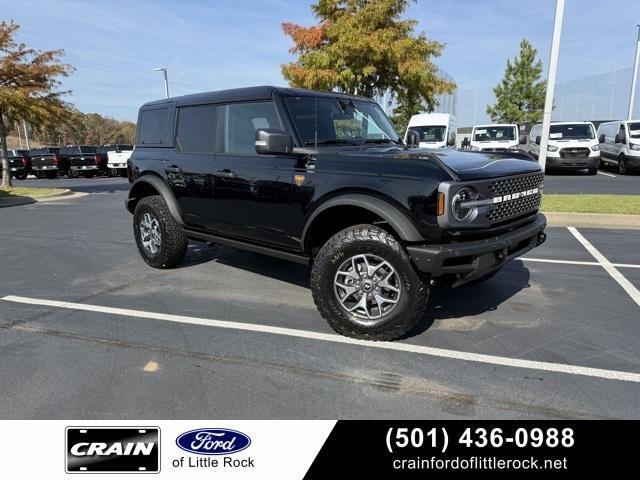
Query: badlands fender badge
{"points": [[112, 449]]}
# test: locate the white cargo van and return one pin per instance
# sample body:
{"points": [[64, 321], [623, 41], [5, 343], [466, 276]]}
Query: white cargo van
{"points": [[620, 144], [495, 138], [435, 130], [572, 145]]}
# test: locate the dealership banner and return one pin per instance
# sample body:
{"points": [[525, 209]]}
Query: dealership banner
{"points": [[310, 449]]}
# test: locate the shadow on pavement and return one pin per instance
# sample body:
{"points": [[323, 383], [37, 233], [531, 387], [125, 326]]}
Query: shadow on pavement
{"points": [[465, 301]]}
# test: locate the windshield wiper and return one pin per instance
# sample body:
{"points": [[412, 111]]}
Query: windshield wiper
{"points": [[382, 140], [331, 141]]}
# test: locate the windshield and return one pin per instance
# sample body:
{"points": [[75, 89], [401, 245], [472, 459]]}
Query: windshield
{"points": [[339, 120], [120, 146], [431, 133], [634, 130], [579, 131], [87, 149], [494, 134]]}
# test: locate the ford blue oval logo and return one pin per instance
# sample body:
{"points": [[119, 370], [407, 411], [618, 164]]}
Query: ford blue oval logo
{"points": [[213, 441]]}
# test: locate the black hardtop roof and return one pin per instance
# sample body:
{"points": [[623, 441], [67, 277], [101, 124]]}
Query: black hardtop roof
{"points": [[264, 92]]}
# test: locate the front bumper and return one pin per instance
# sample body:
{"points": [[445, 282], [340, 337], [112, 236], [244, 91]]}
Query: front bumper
{"points": [[468, 261], [573, 162]]}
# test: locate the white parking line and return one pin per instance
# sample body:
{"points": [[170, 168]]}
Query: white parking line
{"points": [[576, 262], [326, 337], [628, 287], [607, 174]]}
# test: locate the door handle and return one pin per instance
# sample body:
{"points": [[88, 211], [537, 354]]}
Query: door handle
{"points": [[226, 173], [173, 169]]}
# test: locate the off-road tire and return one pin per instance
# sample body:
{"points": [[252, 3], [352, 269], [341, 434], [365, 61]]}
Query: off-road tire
{"points": [[367, 239], [174, 242]]}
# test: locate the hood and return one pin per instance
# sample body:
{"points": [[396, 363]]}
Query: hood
{"points": [[461, 165]]}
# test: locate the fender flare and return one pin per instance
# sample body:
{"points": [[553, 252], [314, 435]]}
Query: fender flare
{"points": [[389, 213], [161, 187]]}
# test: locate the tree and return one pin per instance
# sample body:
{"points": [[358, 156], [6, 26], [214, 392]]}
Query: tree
{"points": [[520, 95], [28, 88], [364, 47]]}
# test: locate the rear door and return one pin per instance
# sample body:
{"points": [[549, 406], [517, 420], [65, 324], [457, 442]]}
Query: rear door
{"points": [[190, 163], [252, 192]]}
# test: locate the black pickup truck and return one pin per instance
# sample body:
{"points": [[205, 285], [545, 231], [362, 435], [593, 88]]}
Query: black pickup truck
{"points": [[19, 163], [46, 162], [323, 179], [81, 160]]}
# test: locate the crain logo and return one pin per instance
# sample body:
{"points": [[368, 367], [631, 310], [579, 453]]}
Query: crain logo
{"points": [[515, 196], [115, 450], [213, 441]]}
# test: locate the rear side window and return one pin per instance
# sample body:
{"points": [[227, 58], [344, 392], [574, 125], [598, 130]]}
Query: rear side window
{"points": [[196, 128], [241, 120], [153, 126]]}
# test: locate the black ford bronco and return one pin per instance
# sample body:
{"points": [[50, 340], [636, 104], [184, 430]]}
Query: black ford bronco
{"points": [[323, 179]]}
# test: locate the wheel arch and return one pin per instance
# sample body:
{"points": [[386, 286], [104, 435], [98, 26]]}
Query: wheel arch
{"points": [[398, 222], [152, 184]]}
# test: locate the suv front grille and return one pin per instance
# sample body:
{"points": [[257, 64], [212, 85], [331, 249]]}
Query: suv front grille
{"points": [[524, 204], [574, 152], [514, 208], [516, 184]]}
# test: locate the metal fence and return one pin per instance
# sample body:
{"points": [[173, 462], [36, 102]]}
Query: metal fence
{"points": [[597, 97]]}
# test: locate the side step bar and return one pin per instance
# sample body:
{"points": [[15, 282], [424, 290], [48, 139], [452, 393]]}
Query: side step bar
{"points": [[290, 256]]}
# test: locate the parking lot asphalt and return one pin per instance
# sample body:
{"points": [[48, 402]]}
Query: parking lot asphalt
{"points": [[232, 334], [606, 181]]}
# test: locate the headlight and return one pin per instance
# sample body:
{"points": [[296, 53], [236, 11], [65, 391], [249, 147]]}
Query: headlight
{"points": [[552, 148], [461, 213], [475, 149], [513, 147], [595, 148], [635, 146]]}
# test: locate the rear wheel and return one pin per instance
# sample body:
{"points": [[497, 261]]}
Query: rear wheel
{"points": [[364, 285], [40, 175], [161, 241]]}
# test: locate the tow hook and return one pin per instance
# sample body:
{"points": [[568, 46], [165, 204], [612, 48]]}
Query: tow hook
{"points": [[541, 238]]}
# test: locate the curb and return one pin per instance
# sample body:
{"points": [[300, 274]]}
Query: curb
{"points": [[593, 220], [66, 194]]}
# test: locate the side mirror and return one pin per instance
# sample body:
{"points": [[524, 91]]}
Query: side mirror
{"points": [[601, 138], [538, 140], [523, 140], [273, 141], [620, 138], [451, 142], [413, 138]]}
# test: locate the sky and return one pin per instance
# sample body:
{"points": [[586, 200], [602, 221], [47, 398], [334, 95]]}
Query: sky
{"points": [[215, 44]]}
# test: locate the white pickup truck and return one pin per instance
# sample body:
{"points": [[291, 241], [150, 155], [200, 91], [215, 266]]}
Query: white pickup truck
{"points": [[117, 156]]}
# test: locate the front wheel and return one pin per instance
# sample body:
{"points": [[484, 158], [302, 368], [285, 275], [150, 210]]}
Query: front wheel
{"points": [[161, 241], [364, 285], [593, 171], [623, 168]]}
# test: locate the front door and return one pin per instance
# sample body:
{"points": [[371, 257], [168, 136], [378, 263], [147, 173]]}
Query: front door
{"points": [[190, 164], [252, 192]]}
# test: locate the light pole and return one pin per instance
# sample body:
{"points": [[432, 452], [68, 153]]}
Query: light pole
{"points": [[551, 83], [166, 81], [635, 76]]}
